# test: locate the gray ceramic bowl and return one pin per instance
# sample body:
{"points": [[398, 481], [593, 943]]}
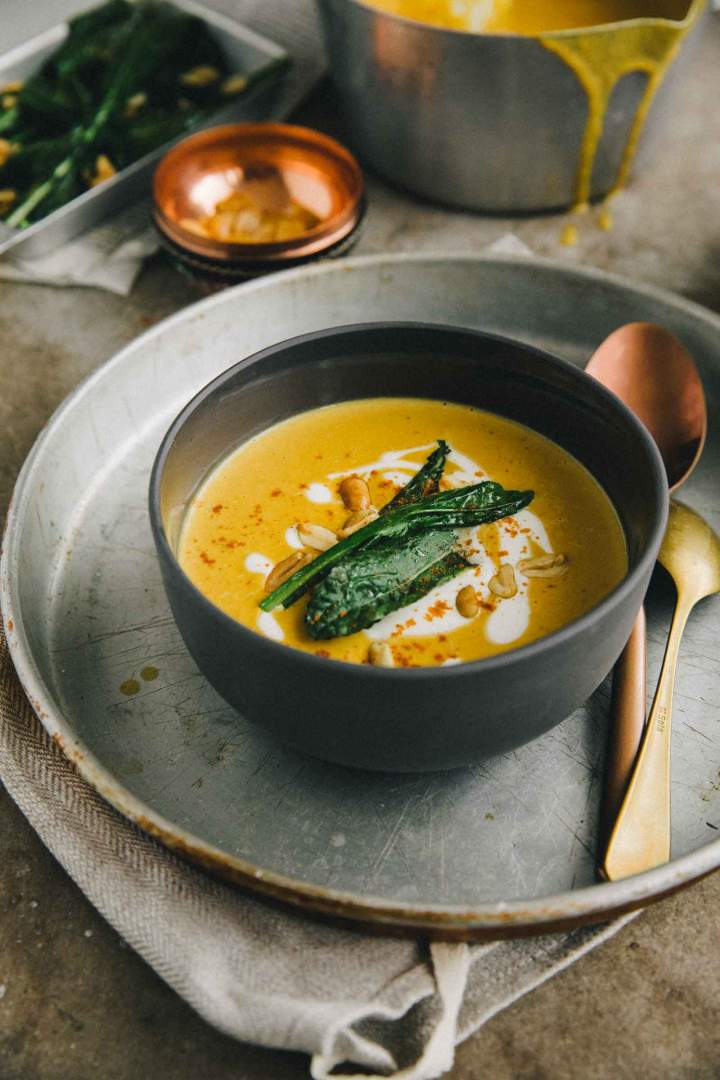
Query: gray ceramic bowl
{"points": [[422, 718]]}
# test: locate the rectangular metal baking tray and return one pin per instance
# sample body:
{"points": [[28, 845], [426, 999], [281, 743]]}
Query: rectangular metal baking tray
{"points": [[245, 50]]}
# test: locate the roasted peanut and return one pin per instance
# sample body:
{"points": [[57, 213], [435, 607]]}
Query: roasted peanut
{"points": [[543, 566], [134, 104], [224, 225], [356, 521], [7, 149], [503, 584], [286, 568], [202, 75], [316, 537], [355, 493], [234, 84], [104, 170], [466, 602], [380, 654]]}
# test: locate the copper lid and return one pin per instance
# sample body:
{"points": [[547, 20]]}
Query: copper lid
{"points": [[315, 170]]}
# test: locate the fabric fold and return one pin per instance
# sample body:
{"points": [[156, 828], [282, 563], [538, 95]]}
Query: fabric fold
{"points": [[255, 971]]}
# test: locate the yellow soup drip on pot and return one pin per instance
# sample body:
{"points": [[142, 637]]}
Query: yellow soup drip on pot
{"points": [[581, 33], [274, 495]]}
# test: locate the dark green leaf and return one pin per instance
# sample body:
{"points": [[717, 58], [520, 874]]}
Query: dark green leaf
{"points": [[363, 589], [91, 40], [87, 25], [153, 129], [39, 158], [462, 507], [64, 189], [426, 480], [47, 103]]}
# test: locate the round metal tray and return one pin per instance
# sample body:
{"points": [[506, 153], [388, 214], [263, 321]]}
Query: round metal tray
{"points": [[504, 848]]}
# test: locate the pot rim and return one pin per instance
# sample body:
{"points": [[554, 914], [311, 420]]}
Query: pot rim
{"points": [[695, 8]]}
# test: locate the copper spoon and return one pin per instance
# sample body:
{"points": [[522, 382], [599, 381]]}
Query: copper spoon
{"points": [[649, 369]]}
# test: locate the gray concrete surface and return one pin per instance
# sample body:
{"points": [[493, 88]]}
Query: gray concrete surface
{"points": [[75, 1002]]}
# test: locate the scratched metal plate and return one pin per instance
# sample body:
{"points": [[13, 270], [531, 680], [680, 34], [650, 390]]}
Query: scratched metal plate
{"points": [[509, 842]]}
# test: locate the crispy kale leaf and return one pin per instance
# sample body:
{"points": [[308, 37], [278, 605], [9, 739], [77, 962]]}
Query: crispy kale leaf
{"points": [[362, 589], [426, 480], [477, 504]]}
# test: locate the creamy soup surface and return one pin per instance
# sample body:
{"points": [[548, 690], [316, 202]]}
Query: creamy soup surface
{"points": [[529, 16], [244, 521]]}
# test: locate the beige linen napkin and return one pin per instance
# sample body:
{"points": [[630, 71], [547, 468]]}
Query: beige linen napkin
{"points": [[256, 971]]}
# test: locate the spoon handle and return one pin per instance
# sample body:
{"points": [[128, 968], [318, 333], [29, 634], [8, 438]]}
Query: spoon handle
{"points": [[640, 839], [627, 722]]}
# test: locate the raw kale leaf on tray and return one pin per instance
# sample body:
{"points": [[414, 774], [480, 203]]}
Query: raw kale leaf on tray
{"points": [[407, 550], [129, 77]]}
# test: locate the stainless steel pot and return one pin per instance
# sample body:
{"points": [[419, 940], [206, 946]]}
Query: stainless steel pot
{"points": [[489, 122]]}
